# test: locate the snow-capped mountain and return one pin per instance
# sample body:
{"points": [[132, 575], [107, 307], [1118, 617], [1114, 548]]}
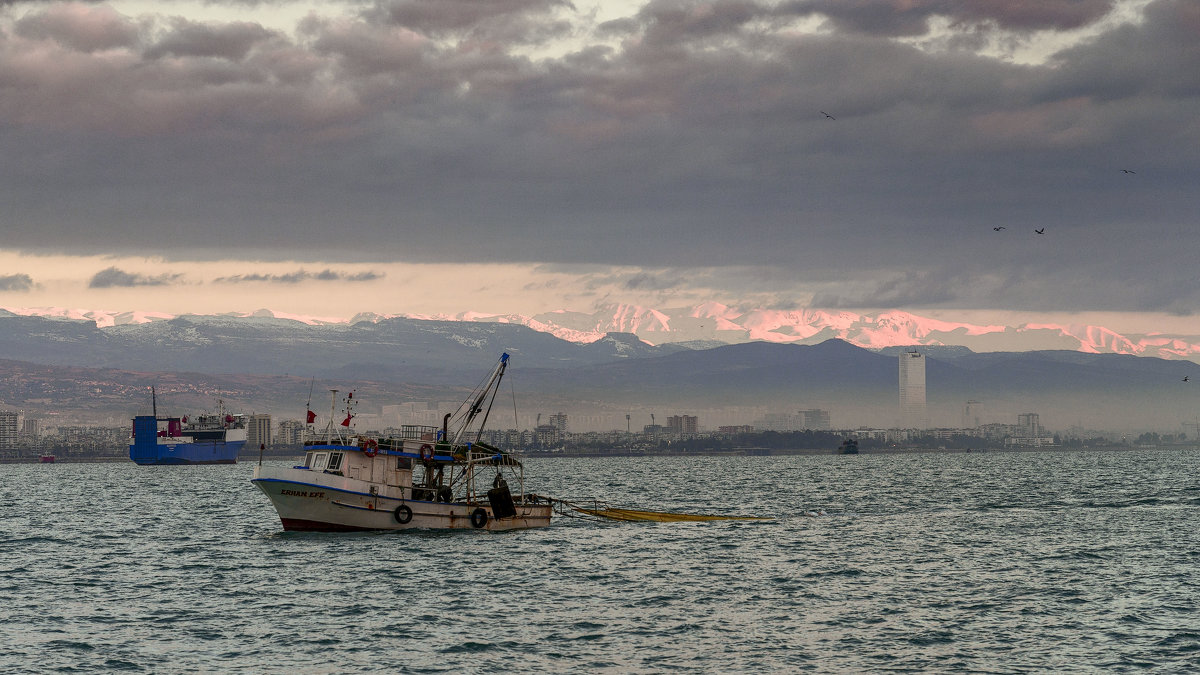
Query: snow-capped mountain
{"points": [[710, 324], [53, 359], [716, 323]]}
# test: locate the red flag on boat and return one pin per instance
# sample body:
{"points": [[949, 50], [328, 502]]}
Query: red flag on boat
{"points": [[346, 422], [312, 417]]}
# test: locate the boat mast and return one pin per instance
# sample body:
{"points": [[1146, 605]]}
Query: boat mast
{"points": [[332, 411], [307, 413]]}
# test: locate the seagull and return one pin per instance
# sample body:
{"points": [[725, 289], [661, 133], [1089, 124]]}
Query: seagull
{"points": [[828, 115], [999, 228], [1041, 231], [1127, 171]]}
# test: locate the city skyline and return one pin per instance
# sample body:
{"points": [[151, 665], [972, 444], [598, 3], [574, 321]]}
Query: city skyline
{"points": [[327, 159], [29, 437]]}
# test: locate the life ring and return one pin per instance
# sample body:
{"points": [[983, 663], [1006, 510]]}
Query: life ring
{"points": [[426, 452], [370, 447], [478, 518], [403, 514]]}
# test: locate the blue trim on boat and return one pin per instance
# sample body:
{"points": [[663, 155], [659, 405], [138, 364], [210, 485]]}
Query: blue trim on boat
{"points": [[349, 492], [392, 453]]}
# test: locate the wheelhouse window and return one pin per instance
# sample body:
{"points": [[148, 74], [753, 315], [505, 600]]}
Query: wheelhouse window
{"points": [[335, 461], [318, 461]]}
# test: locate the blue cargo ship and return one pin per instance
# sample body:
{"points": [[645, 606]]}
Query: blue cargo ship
{"points": [[208, 439]]}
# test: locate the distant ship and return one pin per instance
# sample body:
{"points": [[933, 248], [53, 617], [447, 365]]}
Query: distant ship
{"points": [[207, 439], [848, 447], [46, 459]]}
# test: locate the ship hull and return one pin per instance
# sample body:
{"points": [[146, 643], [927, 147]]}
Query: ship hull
{"points": [[317, 502], [186, 453], [176, 444]]}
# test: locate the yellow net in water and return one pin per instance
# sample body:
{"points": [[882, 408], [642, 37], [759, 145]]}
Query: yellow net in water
{"points": [[659, 516]]}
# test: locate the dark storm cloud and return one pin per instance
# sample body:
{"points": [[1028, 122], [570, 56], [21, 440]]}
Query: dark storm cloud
{"points": [[441, 16], [116, 278], [16, 282], [913, 287], [301, 275], [671, 21], [911, 17], [1021, 285], [684, 135], [231, 41], [81, 27]]}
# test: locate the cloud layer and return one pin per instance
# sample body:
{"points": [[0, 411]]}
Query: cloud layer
{"points": [[16, 282], [302, 275], [113, 277], [672, 136]]}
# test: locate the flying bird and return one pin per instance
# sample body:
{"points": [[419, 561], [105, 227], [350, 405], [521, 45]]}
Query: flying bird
{"points": [[828, 115], [1041, 231], [999, 228], [1127, 171], [1185, 378]]}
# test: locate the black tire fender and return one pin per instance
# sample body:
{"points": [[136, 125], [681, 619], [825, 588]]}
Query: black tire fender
{"points": [[403, 514], [479, 518]]}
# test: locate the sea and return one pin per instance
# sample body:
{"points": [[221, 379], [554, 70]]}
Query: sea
{"points": [[993, 562]]}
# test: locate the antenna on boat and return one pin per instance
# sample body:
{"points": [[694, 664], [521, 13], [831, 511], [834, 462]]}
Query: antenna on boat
{"points": [[153, 402]]}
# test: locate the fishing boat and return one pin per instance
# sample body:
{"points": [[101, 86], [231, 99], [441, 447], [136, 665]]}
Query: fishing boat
{"points": [[212, 438], [849, 446], [426, 477]]}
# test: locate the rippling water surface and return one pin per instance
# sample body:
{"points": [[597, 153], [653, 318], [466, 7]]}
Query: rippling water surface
{"points": [[1008, 562]]}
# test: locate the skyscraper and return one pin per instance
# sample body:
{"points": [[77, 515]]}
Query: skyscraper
{"points": [[971, 414], [912, 391], [8, 430], [816, 419], [258, 431]]}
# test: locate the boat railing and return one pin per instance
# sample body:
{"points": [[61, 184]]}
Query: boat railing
{"points": [[418, 432]]}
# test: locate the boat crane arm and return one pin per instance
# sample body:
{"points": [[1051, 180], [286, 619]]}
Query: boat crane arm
{"points": [[495, 387], [492, 386]]}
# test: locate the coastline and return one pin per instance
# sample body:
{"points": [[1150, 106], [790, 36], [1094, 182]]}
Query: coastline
{"points": [[736, 452]]}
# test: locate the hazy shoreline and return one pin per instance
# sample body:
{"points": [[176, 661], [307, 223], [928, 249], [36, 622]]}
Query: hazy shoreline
{"points": [[740, 452]]}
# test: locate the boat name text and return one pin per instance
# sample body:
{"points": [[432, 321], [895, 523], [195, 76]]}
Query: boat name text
{"points": [[301, 493]]}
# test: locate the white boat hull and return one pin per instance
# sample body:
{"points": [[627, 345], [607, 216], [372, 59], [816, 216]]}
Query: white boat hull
{"points": [[314, 501]]}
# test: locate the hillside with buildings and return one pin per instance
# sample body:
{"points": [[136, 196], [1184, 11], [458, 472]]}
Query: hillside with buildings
{"points": [[1024, 399]]}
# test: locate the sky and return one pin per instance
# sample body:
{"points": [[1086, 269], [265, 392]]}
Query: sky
{"points": [[520, 156]]}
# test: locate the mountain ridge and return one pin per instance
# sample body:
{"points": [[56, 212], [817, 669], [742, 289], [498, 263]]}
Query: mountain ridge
{"points": [[711, 324]]}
